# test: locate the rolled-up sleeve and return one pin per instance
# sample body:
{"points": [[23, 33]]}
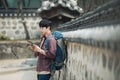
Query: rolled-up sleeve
{"points": [[51, 52]]}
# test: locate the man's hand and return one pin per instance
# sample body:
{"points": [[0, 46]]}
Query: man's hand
{"points": [[36, 48]]}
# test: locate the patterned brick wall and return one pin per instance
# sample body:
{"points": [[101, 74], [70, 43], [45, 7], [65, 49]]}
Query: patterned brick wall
{"points": [[12, 26]]}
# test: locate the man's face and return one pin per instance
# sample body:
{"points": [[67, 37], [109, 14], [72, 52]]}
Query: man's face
{"points": [[44, 30]]}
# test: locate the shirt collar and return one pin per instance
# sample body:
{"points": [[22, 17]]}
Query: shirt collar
{"points": [[47, 35]]}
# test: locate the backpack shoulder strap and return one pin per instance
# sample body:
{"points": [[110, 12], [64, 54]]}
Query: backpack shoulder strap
{"points": [[47, 40]]}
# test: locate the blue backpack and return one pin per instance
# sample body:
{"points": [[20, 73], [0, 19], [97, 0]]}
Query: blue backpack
{"points": [[58, 62]]}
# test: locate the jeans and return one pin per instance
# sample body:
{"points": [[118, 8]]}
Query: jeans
{"points": [[43, 76]]}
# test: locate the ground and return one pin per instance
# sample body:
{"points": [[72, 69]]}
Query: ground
{"points": [[18, 69]]}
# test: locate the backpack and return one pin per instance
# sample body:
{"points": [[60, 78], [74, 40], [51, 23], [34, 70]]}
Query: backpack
{"points": [[58, 62]]}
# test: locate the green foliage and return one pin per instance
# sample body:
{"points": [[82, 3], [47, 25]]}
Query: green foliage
{"points": [[3, 37]]}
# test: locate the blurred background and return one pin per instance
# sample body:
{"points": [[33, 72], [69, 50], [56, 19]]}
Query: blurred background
{"points": [[91, 30]]}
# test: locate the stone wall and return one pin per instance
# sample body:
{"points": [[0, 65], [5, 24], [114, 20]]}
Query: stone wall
{"points": [[91, 63], [12, 27], [15, 50], [90, 59], [93, 45]]}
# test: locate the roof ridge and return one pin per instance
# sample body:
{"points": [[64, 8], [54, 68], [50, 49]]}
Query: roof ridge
{"points": [[72, 5]]}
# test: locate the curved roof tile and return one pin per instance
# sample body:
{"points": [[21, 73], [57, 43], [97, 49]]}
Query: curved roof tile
{"points": [[70, 4]]}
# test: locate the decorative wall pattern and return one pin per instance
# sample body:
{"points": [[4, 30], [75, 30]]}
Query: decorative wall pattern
{"points": [[13, 27]]}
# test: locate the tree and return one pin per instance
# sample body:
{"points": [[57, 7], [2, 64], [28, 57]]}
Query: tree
{"points": [[4, 3], [22, 18]]}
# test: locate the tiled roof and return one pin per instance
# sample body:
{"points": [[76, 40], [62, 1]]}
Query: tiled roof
{"points": [[70, 4]]}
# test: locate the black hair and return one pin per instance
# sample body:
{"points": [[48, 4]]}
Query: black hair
{"points": [[45, 23]]}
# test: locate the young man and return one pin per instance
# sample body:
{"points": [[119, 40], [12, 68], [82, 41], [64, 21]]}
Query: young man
{"points": [[45, 56]]}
